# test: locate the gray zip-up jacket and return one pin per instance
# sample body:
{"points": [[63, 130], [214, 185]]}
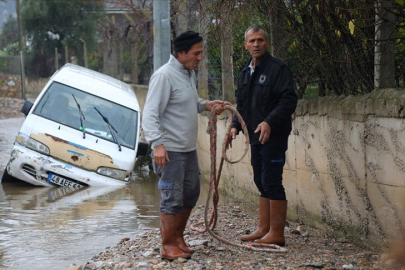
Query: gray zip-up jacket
{"points": [[170, 112]]}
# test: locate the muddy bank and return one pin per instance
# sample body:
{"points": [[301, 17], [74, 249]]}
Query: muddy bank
{"points": [[12, 118], [11, 108], [307, 248]]}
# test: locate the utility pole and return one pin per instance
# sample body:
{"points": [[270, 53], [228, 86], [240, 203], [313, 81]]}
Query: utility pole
{"points": [[20, 41], [161, 33]]}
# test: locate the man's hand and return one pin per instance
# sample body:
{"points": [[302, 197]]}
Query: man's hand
{"points": [[265, 131], [218, 104], [160, 155], [232, 136]]}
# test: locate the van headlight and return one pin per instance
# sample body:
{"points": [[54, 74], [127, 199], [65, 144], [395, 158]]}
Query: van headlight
{"points": [[32, 144], [113, 173], [36, 146]]}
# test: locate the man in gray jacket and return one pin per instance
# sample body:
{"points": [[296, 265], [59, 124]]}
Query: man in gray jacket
{"points": [[170, 124]]}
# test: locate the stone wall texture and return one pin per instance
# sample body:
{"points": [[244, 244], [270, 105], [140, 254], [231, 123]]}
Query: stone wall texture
{"points": [[345, 169], [10, 86]]}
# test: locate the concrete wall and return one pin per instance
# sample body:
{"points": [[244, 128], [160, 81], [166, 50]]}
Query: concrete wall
{"points": [[345, 169]]}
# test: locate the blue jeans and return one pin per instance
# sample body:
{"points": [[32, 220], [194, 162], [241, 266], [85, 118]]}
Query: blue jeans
{"points": [[268, 161], [179, 182]]}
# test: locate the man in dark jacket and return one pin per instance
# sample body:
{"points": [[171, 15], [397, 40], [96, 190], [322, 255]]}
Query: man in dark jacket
{"points": [[266, 99]]}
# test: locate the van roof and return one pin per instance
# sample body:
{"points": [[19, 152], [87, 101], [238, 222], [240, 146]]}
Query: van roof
{"points": [[97, 84]]}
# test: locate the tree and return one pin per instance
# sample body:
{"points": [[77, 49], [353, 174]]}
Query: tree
{"points": [[130, 30], [329, 45], [51, 24], [9, 34]]}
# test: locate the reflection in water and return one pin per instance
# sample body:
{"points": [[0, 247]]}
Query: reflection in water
{"points": [[51, 228]]}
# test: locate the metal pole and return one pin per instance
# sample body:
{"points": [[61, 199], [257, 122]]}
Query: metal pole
{"points": [[161, 45], [22, 75], [56, 59], [86, 61], [20, 41]]}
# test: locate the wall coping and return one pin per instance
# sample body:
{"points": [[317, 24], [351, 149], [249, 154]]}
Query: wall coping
{"points": [[390, 103]]}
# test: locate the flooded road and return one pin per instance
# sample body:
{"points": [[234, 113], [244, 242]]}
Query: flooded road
{"points": [[42, 228], [52, 228]]}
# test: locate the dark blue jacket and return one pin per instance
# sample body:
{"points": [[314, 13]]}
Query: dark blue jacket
{"points": [[268, 95]]}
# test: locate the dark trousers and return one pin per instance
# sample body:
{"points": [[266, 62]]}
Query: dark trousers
{"points": [[268, 161]]}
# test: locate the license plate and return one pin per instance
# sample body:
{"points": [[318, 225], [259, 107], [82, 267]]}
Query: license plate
{"points": [[60, 181]]}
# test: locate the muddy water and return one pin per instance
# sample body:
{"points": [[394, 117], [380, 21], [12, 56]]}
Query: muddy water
{"points": [[42, 228]]}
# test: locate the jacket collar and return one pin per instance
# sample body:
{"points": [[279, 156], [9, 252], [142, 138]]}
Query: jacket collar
{"points": [[266, 58], [177, 65]]}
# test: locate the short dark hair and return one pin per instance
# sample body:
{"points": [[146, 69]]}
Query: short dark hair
{"points": [[176, 54], [186, 40], [256, 28]]}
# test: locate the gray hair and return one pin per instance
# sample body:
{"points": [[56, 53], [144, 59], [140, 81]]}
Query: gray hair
{"points": [[256, 28]]}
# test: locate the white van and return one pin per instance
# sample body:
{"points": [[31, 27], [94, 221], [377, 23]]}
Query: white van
{"points": [[82, 130]]}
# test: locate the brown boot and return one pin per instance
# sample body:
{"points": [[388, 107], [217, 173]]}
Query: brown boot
{"points": [[181, 226], [278, 215], [264, 221], [170, 250]]}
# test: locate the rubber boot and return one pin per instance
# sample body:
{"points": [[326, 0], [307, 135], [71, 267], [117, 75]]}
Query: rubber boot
{"points": [[264, 221], [181, 226], [278, 215], [170, 250]]}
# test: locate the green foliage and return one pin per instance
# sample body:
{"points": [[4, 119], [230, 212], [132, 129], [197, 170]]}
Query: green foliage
{"points": [[9, 33], [72, 20], [143, 59], [11, 49], [2, 62], [126, 60], [329, 45], [95, 61], [311, 92], [244, 15]]}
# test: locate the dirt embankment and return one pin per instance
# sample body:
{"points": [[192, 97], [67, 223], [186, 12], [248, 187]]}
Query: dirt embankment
{"points": [[11, 108]]}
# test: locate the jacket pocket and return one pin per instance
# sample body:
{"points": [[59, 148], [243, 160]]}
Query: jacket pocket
{"points": [[263, 99]]}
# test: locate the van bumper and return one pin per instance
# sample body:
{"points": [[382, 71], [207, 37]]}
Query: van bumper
{"points": [[34, 168]]}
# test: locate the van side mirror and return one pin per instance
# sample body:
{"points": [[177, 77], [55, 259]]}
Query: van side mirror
{"points": [[142, 149], [26, 107]]}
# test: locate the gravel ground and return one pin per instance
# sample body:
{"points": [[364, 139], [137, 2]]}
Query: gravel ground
{"points": [[307, 248]]}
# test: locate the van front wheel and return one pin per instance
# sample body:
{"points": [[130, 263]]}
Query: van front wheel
{"points": [[7, 178]]}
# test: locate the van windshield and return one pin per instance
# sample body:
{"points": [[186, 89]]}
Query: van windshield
{"points": [[58, 104]]}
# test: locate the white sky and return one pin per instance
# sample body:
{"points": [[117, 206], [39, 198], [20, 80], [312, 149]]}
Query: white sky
{"points": [[6, 8]]}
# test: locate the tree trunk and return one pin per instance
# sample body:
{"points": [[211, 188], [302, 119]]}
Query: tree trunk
{"points": [[277, 34], [179, 17], [384, 57], [134, 64], [202, 68], [226, 55]]}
